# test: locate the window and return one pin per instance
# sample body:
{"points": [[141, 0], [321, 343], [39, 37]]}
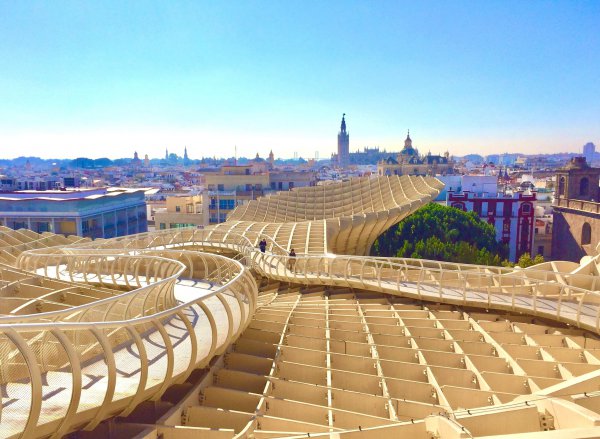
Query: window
{"points": [[526, 208], [524, 235], [584, 186], [226, 204], [561, 186], [221, 187], [19, 225], [43, 227], [177, 209], [586, 234]]}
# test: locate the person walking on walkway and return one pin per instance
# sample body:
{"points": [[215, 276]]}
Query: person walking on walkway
{"points": [[262, 245], [292, 260]]}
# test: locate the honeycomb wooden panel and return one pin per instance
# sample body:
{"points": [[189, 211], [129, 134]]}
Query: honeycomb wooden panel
{"points": [[194, 332]]}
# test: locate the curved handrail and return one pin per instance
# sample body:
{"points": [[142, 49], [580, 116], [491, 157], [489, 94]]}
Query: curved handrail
{"points": [[106, 343]]}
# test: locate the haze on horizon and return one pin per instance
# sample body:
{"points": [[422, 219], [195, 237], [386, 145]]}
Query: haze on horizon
{"points": [[108, 79]]}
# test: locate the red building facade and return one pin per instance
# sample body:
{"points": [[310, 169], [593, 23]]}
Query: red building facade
{"points": [[511, 215]]}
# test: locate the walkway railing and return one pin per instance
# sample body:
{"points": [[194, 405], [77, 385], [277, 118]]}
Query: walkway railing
{"points": [[75, 367], [527, 291]]}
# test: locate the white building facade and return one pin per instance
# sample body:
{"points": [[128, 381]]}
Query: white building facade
{"points": [[92, 213]]}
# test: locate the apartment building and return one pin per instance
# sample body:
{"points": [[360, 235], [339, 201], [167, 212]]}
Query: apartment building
{"points": [[183, 211], [512, 215], [92, 213], [232, 186]]}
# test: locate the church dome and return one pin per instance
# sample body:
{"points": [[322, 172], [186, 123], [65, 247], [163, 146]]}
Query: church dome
{"points": [[408, 151]]}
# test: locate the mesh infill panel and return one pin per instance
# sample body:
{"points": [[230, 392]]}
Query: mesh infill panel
{"points": [[15, 387]]}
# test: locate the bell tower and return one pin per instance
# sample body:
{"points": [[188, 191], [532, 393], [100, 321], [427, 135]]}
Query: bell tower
{"points": [[577, 181], [343, 156]]}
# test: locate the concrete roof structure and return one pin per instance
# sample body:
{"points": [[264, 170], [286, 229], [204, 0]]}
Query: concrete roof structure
{"points": [[196, 333]]}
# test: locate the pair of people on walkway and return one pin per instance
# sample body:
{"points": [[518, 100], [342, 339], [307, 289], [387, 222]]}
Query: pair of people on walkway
{"points": [[292, 256]]}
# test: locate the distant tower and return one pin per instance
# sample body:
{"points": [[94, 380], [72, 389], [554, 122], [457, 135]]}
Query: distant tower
{"points": [[271, 159], [577, 181], [408, 141], [343, 156], [166, 154], [136, 160], [146, 161], [186, 159], [588, 152]]}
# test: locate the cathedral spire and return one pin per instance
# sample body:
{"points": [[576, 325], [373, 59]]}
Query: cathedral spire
{"points": [[343, 127], [186, 159]]}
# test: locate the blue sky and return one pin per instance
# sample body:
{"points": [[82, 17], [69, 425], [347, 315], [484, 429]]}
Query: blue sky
{"points": [[104, 78]]}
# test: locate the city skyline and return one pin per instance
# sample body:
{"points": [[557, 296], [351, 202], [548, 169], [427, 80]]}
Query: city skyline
{"points": [[106, 80]]}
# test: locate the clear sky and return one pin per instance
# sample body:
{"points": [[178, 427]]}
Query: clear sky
{"points": [[103, 79]]}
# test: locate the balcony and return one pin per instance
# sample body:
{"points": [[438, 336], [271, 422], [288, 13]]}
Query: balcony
{"points": [[585, 206], [221, 193]]}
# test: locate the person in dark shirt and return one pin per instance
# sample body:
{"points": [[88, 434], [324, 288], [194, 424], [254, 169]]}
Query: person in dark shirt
{"points": [[292, 260], [262, 245]]}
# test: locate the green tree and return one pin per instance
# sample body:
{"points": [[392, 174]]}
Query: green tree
{"points": [[527, 261], [442, 233]]}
